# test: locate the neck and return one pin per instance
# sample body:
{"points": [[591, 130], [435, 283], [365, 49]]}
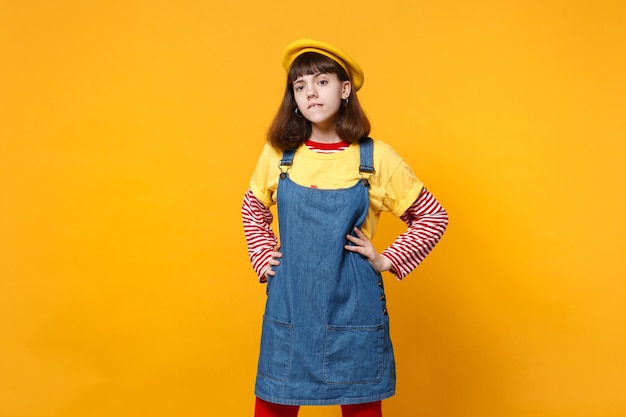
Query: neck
{"points": [[324, 135]]}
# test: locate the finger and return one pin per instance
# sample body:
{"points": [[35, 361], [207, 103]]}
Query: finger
{"points": [[357, 249], [351, 248], [362, 236], [351, 238], [360, 243], [274, 262]]}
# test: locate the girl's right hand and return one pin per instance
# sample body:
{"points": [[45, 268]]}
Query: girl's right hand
{"points": [[274, 261]]}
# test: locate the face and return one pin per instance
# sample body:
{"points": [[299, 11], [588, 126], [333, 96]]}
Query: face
{"points": [[319, 96]]}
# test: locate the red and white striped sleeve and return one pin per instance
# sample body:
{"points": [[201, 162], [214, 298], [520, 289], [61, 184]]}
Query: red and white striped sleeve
{"points": [[427, 221], [257, 227]]}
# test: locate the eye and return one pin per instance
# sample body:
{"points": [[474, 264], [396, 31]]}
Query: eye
{"points": [[323, 82], [298, 87]]}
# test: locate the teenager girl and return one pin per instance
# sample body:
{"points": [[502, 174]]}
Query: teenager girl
{"points": [[325, 337]]}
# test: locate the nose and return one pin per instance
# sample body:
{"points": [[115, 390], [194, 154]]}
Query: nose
{"points": [[310, 91]]}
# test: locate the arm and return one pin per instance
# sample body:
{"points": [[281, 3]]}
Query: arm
{"points": [[261, 240], [427, 221]]}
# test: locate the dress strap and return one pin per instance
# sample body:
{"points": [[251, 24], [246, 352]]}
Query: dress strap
{"points": [[287, 159], [286, 162], [366, 167], [367, 156]]}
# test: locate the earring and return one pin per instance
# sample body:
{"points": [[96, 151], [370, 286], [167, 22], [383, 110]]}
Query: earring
{"points": [[345, 103], [297, 111]]}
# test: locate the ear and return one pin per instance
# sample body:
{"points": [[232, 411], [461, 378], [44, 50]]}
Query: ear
{"points": [[346, 88]]}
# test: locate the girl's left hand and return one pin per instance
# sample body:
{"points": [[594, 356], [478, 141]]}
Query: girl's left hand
{"points": [[363, 246]]}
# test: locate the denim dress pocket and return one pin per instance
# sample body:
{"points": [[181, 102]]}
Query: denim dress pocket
{"points": [[354, 354], [275, 356]]}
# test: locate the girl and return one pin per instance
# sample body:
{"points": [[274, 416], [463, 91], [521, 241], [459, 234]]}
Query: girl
{"points": [[325, 337]]}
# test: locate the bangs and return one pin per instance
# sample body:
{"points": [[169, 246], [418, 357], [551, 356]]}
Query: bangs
{"points": [[310, 63]]}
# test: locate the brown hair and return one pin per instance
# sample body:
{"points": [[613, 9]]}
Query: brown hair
{"points": [[289, 131]]}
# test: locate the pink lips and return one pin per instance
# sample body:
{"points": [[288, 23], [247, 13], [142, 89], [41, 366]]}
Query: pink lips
{"points": [[314, 105]]}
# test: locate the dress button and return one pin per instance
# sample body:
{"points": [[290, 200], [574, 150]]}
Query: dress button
{"points": [[267, 292], [380, 283], [385, 312], [383, 298]]}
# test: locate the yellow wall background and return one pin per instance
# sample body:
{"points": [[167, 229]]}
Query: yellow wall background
{"points": [[128, 132]]}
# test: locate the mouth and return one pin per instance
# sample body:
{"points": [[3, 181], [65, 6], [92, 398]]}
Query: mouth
{"points": [[314, 105]]}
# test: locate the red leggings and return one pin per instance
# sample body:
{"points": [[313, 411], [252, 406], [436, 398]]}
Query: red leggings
{"points": [[267, 409]]}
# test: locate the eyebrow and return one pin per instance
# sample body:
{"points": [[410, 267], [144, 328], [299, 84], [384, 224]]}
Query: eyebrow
{"points": [[315, 75]]}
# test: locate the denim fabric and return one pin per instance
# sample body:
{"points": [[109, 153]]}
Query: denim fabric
{"points": [[325, 336]]}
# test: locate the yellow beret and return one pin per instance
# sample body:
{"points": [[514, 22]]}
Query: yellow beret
{"points": [[297, 48]]}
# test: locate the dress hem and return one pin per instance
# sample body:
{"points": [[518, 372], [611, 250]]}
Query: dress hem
{"points": [[332, 401]]}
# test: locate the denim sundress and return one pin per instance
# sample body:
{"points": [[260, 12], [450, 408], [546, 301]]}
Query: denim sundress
{"points": [[325, 337]]}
